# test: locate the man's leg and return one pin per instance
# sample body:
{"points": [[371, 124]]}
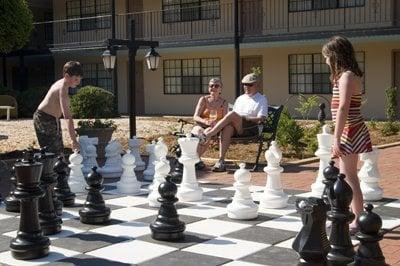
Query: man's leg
{"points": [[225, 141], [231, 118]]}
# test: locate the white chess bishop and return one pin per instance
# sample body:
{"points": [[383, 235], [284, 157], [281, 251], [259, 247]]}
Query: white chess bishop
{"points": [[273, 197], [148, 174], [112, 166], [162, 169], [325, 140], [76, 180], [369, 175], [128, 183], [134, 146], [189, 189], [89, 153], [242, 206]]}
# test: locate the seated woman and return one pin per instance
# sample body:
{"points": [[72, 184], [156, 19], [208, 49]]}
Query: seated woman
{"points": [[209, 110]]}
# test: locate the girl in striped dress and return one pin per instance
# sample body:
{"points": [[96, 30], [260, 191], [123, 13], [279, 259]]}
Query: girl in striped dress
{"points": [[351, 135]]}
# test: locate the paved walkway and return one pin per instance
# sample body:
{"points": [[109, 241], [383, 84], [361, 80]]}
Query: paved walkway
{"points": [[302, 176]]}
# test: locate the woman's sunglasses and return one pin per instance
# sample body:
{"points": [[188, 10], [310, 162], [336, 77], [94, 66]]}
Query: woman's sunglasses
{"points": [[214, 85]]}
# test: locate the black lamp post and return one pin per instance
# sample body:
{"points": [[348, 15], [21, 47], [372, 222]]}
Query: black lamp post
{"points": [[152, 59]]}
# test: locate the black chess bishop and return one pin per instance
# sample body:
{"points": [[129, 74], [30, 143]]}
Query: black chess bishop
{"points": [[62, 190]]}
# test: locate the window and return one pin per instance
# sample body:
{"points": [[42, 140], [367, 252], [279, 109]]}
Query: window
{"points": [[309, 74], [190, 10], [87, 11], [190, 76], [96, 75], [306, 5]]}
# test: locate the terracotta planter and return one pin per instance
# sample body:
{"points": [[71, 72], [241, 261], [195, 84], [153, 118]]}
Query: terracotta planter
{"points": [[104, 135]]}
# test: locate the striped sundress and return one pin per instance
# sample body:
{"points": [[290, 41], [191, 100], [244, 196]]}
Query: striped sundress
{"points": [[355, 137]]}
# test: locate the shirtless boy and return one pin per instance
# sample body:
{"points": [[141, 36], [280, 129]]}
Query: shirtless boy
{"points": [[54, 106]]}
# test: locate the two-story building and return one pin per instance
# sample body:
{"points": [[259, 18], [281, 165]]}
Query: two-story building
{"points": [[283, 37]]}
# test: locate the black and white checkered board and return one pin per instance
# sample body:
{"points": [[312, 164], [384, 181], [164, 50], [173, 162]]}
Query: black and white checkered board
{"points": [[211, 237]]}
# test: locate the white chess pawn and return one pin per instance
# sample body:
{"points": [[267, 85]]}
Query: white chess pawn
{"points": [[273, 196], [242, 206], [128, 183], [189, 189], [89, 153], [113, 165], [162, 169], [369, 175], [148, 174], [134, 146], [325, 140], [76, 179]]}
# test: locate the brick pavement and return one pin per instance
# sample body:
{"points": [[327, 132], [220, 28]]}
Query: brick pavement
{"points": [[301, 176]]}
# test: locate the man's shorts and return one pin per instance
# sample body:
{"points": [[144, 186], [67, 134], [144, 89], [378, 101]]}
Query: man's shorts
{"points": [[48, 132], [250, 129]]}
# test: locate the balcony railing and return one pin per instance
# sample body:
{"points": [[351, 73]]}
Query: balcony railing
{"points": [[212, 23]]}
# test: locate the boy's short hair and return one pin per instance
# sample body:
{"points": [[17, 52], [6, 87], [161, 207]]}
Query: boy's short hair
{"points": [[73, 68]]}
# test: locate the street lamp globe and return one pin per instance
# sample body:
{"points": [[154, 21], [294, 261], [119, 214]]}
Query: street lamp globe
{"points": [[108, 60], [152, 59]]}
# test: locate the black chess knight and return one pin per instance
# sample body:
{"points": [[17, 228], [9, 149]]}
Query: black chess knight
{"points": [[94, 209], [29, 242], [167, 225]]}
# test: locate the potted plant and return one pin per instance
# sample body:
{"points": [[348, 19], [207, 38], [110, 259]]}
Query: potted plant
{"points": [[95, 106]]}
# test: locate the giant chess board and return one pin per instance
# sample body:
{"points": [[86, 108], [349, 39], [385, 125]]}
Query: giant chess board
{"points": [[211, 238]]}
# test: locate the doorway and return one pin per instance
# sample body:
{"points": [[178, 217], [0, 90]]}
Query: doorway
{"points": [[396, 78], [248, 62]]}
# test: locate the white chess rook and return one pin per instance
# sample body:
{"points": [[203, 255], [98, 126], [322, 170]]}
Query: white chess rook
{"points": [[369, 175], [112, 166], [89, 153], [325, 140], [273, 196], [189, 189], [242, 206], [148, 174], [76, 180], [128, 183], [162, 169], [134, 146]]}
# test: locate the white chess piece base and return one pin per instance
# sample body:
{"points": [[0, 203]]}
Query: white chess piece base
{"points": [[273, 199], [190, 192], [242, 210], [129, 187]]}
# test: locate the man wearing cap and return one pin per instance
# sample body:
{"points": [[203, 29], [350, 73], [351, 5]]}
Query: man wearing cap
{"points": [[249, 110]]}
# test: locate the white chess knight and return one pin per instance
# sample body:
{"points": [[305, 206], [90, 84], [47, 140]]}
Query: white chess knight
{"points": [[128, 183], [112, 167], [242, 206], [162, 169], [76, 178], [148, 174], [325, 140], [89, 153], [134, 146], [369, 175], [273, 197], [189, 189]]}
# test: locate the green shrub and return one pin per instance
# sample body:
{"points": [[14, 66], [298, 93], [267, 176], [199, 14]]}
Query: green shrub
{"points": [[28, 100], [391, 103], [306, 105], [373, 124], [92, 102], [289, 133], [310, 137], [390, 128]]}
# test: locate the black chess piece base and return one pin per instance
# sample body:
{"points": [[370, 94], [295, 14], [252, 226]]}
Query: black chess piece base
{"points": [[68, 200], [12, 204], [51, 227], [159, 232], [88, 216], [32, 248]]}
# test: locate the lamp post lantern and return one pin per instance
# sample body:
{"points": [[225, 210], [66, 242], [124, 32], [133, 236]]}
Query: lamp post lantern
{"points": [[152, 60]]}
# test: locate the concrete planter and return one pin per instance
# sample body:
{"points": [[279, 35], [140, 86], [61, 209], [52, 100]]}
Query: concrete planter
{"points": [[104, 135]]}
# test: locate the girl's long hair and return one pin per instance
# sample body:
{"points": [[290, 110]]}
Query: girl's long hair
{"points": [[341, 56]]}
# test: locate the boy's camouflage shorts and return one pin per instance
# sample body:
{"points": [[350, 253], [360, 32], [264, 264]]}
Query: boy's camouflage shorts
{"points": [[48, 132]]}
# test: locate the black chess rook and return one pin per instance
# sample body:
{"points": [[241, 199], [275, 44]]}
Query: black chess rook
{"points": [[62, 190], [167, 226], [342, 251], [94, 209], [29, 242], [49, 221], [369, 253], [11, 202]]}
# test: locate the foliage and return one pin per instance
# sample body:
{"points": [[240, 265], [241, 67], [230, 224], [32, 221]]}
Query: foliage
{"points": [[256, 70], [373, 124], [307, 105], [289, 133], [390, 128], [28, 100], [391, 103], [310, 137], [16, 24], [96, 123]]}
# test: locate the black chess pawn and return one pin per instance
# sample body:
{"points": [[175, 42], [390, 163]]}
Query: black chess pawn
{"points": [[49, 221], [29, 242], [11, 202], [330, 174], [94, 209], [369, 252], [177, 170], [342, 251], [62, 190], [167, 225], [311, 243], [321, 114]]}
